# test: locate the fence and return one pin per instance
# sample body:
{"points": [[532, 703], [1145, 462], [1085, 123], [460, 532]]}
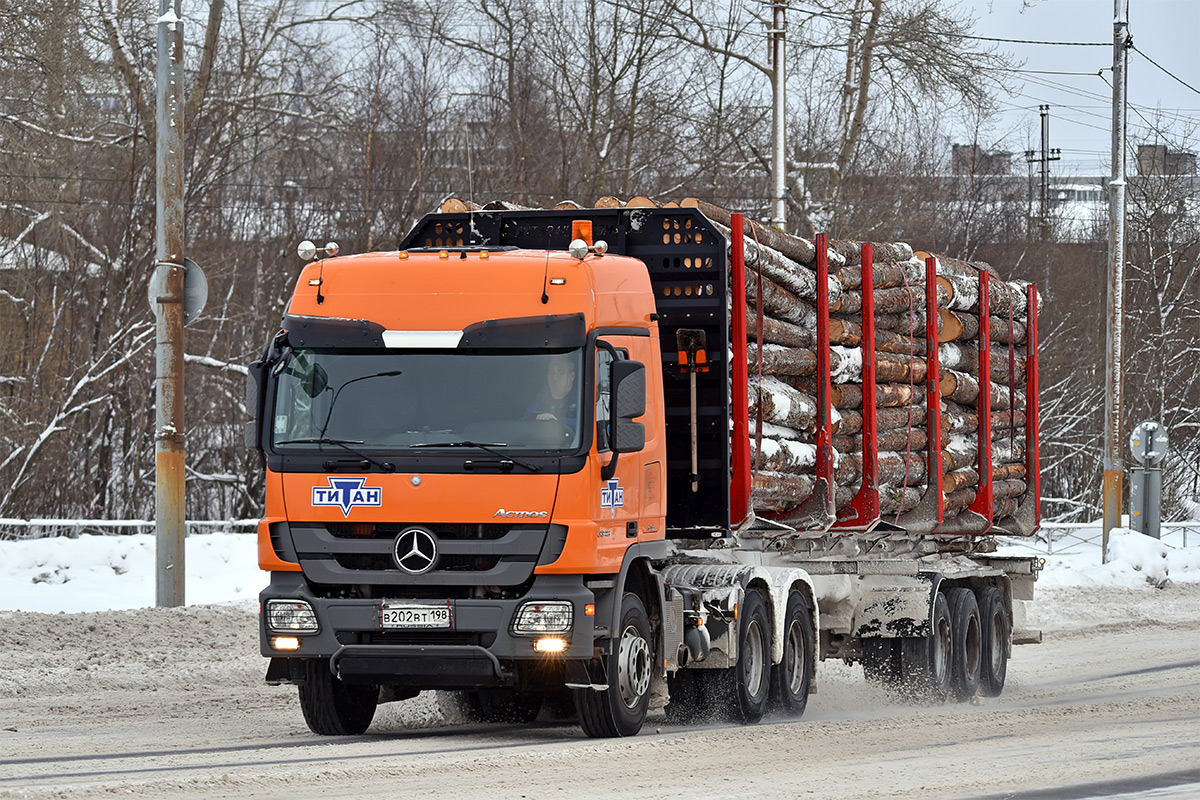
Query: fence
{"points": [[1068, 537], [73, 528], [1054, 537]]}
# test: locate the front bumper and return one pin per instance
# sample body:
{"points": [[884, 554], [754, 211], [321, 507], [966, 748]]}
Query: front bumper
{"points": [[479, 650]]}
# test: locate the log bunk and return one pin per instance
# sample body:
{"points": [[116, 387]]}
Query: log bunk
{"points": [[887, 388]]}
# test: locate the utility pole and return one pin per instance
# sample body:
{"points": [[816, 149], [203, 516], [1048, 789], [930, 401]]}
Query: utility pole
{"points": [[1113, 471], [1047, 155], [776, 39], [167, 300]]}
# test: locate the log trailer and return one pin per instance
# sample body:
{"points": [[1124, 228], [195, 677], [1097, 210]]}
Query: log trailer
{"points": [[428, 527]]}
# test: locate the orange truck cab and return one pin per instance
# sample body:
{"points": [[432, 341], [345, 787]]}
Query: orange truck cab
{"points": [[467, 471]]}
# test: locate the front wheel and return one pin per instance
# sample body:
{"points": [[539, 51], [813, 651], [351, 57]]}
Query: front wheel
{"points": [[332, 707], [792, 677], [620, 709]]}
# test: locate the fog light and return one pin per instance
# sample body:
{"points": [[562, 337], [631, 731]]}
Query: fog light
{"points": [[554, 616], [291, 615], [285, 643], [551, 644]]}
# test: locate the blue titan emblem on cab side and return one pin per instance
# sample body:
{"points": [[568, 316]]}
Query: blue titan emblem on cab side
{"points": [[612, 495], [346, 493]]}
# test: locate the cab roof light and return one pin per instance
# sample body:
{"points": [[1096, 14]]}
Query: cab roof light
{"points": [[582, 229]]}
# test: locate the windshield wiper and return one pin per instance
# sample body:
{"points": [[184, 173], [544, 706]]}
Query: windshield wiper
{"points": [[386, 466], [487, 448]]}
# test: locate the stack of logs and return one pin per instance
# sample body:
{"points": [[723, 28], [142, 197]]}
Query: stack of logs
{"points": [[781, 325], [781, 290]]}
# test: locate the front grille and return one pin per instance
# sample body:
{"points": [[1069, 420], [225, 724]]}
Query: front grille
{"points": [[443, 530], [455, 563], [469, 555]]}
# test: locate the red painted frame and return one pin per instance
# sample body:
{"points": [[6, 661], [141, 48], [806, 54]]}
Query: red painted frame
{"points": [[984, 497], [863, 511], [1033, 472], [739, 486]]}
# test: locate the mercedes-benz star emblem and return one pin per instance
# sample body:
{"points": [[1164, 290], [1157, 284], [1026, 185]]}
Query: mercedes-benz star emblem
{"points": [[416, 551]]}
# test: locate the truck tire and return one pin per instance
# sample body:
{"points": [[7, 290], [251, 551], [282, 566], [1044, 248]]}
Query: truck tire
{"points": [[881, 662], [925, 660], [749, 681], [994, 631], [620, 709], [334, 708], [965, 650], [791, 678]]}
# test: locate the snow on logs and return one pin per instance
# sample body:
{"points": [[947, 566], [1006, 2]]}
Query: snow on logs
{"points": [[781, 286], [781, 323]]}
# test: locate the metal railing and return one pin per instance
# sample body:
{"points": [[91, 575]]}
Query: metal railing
{"points": [[13, 528], [1066, 537]]}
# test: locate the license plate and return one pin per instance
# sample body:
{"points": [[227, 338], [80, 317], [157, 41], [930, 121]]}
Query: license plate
{"points": [[397, 615]]}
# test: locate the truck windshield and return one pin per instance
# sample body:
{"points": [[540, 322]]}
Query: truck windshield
{"points": [[405, 400]]}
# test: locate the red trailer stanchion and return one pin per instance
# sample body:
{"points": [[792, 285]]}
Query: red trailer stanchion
{"points": [[863, 511], [740, 462], [984, 501]]}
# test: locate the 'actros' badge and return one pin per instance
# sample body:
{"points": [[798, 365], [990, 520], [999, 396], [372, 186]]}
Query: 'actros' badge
{"points": [[346, 493]]}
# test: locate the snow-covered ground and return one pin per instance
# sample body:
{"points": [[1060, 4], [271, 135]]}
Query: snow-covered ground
{"points": [[102, 573]]}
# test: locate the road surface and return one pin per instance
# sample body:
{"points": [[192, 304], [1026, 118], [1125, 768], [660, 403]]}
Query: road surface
{"points": [[170, 702]]}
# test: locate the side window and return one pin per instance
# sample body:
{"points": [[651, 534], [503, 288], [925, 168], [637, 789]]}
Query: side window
{"points": [[604, 359]]}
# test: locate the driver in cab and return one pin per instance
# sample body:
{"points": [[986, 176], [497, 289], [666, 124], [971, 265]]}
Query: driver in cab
{"points": [[557, 400]]}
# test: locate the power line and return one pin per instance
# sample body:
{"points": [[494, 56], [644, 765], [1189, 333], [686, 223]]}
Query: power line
{"points": [[1166, 71], [1149, 124], [952, 35]]}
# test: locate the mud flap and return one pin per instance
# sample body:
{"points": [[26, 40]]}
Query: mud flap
{"points": [[895, 606]]}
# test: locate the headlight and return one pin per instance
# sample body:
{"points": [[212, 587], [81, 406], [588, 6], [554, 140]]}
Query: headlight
{"points": [[548, 617], [289, 616]]}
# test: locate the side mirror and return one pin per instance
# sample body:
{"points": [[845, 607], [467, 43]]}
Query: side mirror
{"points": [[255, 376], [628, 401]]}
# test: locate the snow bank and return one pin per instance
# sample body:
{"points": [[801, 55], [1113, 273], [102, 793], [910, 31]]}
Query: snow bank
{"points": [[100, 573], [1133, 560]]}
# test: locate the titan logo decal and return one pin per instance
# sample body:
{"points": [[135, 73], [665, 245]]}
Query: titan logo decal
{"points": [[346, 493], [612, 495]]}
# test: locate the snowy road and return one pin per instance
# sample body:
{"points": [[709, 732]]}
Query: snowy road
{"points": [[158, 703]]}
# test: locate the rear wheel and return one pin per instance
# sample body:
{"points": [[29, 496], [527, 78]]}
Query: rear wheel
{"points": [[751, 677], [965, 648], [334, 708], [792, 676], [995, 633], [925, 660], [620, 709]]}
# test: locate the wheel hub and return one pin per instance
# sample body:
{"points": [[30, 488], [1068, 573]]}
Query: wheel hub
{"points": [[752, 659], [795, 658], [633, 667]]}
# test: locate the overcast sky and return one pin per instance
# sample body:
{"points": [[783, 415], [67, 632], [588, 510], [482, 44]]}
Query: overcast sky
{"points": [[1168, 31]]}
